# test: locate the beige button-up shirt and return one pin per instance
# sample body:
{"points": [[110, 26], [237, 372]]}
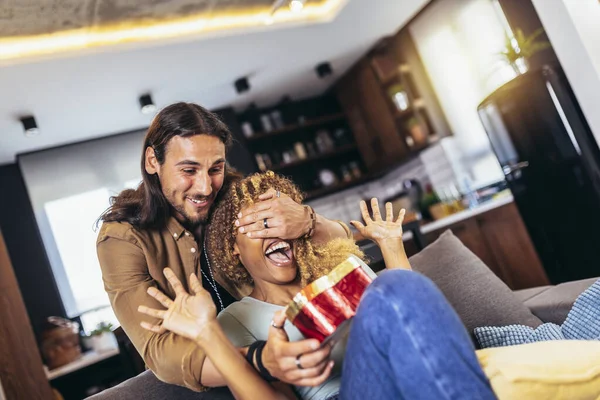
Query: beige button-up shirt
{"points": [[132, 260]]}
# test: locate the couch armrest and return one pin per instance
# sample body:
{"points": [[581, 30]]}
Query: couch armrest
{"points": [[553, 303]]}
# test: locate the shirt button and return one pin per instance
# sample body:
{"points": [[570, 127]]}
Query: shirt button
{"points": [[174, 235], [193, 249], [187, 234]]}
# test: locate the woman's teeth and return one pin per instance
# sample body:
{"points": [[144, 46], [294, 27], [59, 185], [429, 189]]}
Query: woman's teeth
{"points": [[277, 246], [280, 253]]}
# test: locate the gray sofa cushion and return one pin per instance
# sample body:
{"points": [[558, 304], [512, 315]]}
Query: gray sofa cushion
{"points": [[479, 297], [553, 303], [146, 386]]}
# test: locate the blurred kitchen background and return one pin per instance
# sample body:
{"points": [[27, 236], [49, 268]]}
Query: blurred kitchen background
{"points": [[478, 116]]}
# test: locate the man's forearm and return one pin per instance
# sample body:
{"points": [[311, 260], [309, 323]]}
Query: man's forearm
{"points": [[326, 230]]}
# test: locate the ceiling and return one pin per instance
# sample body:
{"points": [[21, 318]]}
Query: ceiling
{"points": [[81, 95], [34, 17]]}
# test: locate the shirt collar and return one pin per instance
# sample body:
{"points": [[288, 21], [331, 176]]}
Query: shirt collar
{"points": [[175, 228]]}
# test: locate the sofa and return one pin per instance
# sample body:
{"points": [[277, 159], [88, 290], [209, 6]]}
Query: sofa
{"points": [[477, 295]]}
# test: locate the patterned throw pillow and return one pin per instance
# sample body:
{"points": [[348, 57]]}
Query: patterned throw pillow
{"points": [[582, 323]]}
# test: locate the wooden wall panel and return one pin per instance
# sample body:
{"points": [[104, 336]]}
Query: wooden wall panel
{"points": [[21, 370]]}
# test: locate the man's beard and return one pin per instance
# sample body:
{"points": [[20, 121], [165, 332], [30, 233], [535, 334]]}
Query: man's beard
{"points": [[191, 222]]}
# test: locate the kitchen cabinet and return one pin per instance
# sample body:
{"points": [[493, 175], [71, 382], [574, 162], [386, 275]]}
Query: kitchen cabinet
{"points": [[499, 238], [309, 141], [369, 117], [390, 104]]}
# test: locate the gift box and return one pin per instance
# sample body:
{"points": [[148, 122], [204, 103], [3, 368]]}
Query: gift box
{"points": [[324, 308]]}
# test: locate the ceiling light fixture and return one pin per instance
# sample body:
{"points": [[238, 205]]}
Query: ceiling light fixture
{"points": [[30, 126], [52, 44], [324, 70], [297, 5], [147, 106], [242, 85]]}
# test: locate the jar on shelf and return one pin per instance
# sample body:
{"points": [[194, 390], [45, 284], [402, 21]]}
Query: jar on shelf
{"points": [[300, 150], [247, 129], [399, 97], [266, 123]]}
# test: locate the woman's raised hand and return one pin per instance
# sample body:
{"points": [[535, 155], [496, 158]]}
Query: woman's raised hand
{"points": [[378, 229], [187, 315]]}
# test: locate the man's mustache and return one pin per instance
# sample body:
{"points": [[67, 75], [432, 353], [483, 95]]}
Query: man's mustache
{"points": [[199, 197]]}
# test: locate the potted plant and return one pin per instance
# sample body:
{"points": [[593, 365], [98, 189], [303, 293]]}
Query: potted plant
{"points": [[102, 338], [518, 49], [417, 131]]}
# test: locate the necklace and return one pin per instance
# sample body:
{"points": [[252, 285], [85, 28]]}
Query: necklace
{"points": [[211, 281]]}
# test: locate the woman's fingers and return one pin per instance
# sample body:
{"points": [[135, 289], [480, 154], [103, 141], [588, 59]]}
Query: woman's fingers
{"points": [[160, 296], [358, 225], [389, 212], [314, 358], [195, 285], [175, 283], [375, 208], [365, 212], [318, 380], [276, 329], [308, 373], [153, 328], [401, 214], [152, 312]]}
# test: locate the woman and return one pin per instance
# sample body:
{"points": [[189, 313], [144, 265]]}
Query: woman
{"points": [[395, 347]]}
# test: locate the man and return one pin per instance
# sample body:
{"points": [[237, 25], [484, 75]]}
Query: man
{"points": [[161, 224]]}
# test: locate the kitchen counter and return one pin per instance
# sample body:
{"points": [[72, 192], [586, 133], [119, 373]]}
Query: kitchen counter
{"points": [[500, 201]]}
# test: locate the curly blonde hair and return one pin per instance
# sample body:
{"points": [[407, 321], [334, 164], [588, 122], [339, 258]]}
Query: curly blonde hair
{"points": [[313, 261]]}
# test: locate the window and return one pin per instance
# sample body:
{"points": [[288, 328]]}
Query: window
{"points": [[70, 188], [459, 42], [72, 222]]}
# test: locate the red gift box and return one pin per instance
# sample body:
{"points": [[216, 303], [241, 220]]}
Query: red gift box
{"points": [[327, 304]]}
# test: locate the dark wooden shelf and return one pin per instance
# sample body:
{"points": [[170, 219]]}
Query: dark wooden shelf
{"points": [[340, 150], [403, 114], [313, 194], [295, 127]]}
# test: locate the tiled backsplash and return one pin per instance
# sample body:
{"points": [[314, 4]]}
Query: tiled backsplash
{"points": [[344, 205]]}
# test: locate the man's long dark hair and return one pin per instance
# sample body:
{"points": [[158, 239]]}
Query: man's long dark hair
{"points": [[146, 207]]}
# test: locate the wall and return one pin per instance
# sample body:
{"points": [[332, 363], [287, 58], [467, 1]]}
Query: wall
{"points": [[586, 15], [573, 27], [26, 249]]}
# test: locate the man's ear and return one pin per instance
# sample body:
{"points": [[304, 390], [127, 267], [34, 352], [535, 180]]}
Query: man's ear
{"points": [[150, 162], [236, 250]]}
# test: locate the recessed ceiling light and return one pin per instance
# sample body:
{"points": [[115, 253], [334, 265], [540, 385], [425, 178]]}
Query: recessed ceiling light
{"points": [[147, 106], [297, 5], [323, 70], [30, 126], [242, 85]]}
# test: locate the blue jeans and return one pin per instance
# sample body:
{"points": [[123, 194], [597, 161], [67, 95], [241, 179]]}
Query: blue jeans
{"points": [[407, 342]]}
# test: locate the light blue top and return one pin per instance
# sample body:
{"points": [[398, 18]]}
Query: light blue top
{"points": [[249, 319]]}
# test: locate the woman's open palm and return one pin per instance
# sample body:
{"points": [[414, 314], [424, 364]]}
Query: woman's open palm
{"points": [[376, 228], [187, 315]]}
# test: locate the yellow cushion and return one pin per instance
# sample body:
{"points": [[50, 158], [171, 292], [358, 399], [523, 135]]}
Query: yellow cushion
{"points": [[558, 369]]}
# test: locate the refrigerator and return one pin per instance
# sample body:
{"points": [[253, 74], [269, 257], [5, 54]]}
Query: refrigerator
{"points": [[551, 163]]}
